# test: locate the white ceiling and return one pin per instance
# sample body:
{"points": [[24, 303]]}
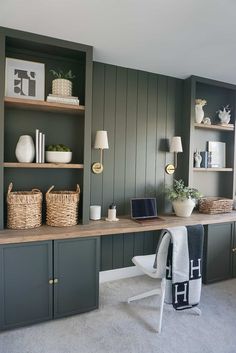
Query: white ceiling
{"points": [[173, 37]]}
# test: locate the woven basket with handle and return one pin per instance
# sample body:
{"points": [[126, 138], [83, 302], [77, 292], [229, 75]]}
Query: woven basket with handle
{"points": [[24, 208], [62, 207]]}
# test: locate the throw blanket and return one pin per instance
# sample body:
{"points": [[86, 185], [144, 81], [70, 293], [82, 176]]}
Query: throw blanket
{"points": [[181, 249]]}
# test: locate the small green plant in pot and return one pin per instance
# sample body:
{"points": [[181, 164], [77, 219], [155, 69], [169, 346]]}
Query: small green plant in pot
{"points": [[183, 198], [62, 85]]}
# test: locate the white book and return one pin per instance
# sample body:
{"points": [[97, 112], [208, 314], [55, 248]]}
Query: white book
{"points": [[43, 148], [40, 147], [218, 153], [63, 100], [37, 145]]}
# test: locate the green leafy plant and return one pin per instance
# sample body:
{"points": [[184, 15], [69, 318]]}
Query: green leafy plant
{"points": [[181, 192], [61, 74], [58, 148]]}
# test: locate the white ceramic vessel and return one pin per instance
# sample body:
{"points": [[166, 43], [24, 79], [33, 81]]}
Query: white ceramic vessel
{"points": [[183, 208], [25, 150], [62, 87], [58, 157], [199, 113]]}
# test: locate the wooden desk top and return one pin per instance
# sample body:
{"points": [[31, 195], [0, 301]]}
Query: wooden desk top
{"points": [[101, 228]]}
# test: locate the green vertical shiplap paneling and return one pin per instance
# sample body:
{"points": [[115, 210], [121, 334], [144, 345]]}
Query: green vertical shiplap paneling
{"points": [[97, 124], [109, 125], [141, 112], [2, 88]]}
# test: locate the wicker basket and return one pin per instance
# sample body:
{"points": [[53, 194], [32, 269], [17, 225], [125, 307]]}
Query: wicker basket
{"points": [[214, 205], [24, 209], [62, 207]]}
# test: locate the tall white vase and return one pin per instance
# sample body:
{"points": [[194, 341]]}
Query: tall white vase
{"points": [[25, 150], [199, 113]]}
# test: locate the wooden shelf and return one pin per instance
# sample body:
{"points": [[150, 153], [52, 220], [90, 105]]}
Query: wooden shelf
{"points": [[214, 127], [29, 104], [212, 169], [43, 165]]}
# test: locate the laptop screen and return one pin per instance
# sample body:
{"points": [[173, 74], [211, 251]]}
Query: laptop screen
{"points": [[143, 208]]}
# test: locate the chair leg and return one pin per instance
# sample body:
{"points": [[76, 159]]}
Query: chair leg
{"points": [[144, 295], [162, 298]]}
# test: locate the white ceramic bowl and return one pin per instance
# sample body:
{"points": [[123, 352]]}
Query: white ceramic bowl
{"points": [[58, 157]]}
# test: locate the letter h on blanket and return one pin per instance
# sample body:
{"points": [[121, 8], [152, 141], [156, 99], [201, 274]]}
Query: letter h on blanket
{"points": [[184, 264]]}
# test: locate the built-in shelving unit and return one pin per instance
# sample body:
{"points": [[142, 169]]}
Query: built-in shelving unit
{"points": [[44, 165], [61, 123], [37, 105], [210, 181]]}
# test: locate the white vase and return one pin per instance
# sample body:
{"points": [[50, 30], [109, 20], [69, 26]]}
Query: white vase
{"points": [[25, 150], [199, 113], [183, 208]]}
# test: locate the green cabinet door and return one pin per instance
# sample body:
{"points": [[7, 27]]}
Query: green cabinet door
{"points": [[76, 275], [234, 251], [218, 246], [25, 292]]}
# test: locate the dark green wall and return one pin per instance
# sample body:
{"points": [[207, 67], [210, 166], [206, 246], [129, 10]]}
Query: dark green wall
{"points": [[141, 112]]}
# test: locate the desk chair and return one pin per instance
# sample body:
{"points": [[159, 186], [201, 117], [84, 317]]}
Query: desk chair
{"points": [[145, 264]]}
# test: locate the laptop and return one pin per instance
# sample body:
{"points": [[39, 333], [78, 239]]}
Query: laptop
{"points": [[144, 209]]}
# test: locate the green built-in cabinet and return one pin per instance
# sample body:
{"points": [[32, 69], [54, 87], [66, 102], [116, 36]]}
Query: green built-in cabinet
{"points": [[212, 181], [61, 124], [219, 252], [44, 280]]}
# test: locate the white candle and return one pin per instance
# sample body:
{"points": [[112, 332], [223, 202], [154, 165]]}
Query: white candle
{"points": [[95, 212]]}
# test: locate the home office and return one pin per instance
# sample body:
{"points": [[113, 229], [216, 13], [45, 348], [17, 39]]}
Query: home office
{"points": [[52, 272]]}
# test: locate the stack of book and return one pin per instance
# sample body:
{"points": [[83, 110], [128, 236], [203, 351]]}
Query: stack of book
{"points": [[54, 98], [40, 146]]}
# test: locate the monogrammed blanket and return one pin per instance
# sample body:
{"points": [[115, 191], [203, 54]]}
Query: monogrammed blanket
{"points": [[184, 264]]}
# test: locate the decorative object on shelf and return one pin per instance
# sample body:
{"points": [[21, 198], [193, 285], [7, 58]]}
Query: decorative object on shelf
{"points": [[197, 159], [62, 85], [224, 115], [62, 99], [39, 146], [112, 214], [206, 121], [24, 79], [62, 207], [58, 154], [175, 147], [95, 212], [204, 162], [217, 150], [183, 198], [24, 208], [199, 112], [214, 205], [101, 143], [25, 151]]}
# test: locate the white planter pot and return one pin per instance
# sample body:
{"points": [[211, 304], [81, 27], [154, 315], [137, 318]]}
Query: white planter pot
{"points": [[58, 157], [62, 87], [183, 208], [25, 150], [199, 113]]}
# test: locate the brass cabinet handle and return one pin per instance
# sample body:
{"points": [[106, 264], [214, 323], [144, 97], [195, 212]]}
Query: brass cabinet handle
{"points": [[50, 281], [55, 281], [234, 249]]}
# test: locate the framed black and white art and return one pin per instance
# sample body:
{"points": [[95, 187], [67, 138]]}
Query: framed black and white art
{"points": [[25, 79]]}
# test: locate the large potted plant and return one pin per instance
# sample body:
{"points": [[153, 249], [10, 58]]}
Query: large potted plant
{"points": [[62, 85], [183, 198]]}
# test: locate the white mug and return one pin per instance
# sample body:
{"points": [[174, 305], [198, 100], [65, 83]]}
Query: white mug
{"points": [[95, 212]]}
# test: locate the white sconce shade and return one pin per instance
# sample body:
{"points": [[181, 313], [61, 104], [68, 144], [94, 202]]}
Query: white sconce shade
{"points": [[176, 144], [101, 140]]}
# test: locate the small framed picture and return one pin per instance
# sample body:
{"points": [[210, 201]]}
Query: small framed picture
{"points": [[25, 79]]}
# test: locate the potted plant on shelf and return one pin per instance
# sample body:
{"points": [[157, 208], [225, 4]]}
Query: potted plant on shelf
{"points": [[62, 85], [58, 154], [183, 198]]}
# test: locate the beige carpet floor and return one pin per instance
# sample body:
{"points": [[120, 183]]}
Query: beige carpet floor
{"points": [[118, 327]]}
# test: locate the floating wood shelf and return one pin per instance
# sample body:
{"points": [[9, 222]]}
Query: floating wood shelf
{"points": [[212, 169], [29, 104], [44, 165], [214, 127]]}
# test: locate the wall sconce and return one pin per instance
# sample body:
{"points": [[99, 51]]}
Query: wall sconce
{"points": [[175, 147], [101, 143]]}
